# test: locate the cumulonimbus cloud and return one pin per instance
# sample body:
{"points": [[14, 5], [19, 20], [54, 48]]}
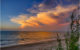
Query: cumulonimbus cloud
{"points": [[48, 18]]}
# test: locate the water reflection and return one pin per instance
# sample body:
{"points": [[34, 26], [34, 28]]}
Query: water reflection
{"points": [[29, 37]]}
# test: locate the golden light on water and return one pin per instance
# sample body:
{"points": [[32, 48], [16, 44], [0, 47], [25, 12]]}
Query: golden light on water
{"points": [[29, 37]]}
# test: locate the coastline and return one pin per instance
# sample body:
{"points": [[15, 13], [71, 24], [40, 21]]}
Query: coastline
{"points": [[32, 46]]}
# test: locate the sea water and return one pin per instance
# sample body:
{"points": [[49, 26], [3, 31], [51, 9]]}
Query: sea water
{"points": [[11, 38]]}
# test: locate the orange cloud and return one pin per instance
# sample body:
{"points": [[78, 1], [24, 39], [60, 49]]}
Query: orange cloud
{"points": [[33, 21], [44, 18]]}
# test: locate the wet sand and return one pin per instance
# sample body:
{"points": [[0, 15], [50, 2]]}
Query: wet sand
{"points": [[48, 45]]}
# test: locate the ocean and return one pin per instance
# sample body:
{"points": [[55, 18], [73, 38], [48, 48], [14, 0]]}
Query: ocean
{"points": [[11, 38]]}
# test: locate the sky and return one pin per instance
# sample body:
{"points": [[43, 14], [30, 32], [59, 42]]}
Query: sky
{"points": [[36, 15]]}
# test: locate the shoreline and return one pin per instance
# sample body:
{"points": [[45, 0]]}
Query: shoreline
{"points": [[31, 46]]}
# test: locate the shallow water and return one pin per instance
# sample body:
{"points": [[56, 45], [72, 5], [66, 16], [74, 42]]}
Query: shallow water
{"points": [[10, 38]]}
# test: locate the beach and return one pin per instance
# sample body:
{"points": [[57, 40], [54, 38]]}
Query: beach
{"points": [[28, 40], [50, 44]]}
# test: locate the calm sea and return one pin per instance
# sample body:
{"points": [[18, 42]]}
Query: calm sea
{"points": [[10, 38]]}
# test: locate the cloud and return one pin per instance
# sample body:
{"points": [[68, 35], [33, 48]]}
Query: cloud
{"points": [[44, 6], [33, 21], [49, 19]]}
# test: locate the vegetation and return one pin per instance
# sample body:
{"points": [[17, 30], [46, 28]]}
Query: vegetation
{"points": [[71, 40], [59, 43]]}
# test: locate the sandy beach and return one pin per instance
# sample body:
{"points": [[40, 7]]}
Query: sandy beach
{"points": [[39, 45], [50, 44]]}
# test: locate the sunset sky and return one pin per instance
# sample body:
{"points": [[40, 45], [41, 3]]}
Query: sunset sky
{"points": [[36, 15]]}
